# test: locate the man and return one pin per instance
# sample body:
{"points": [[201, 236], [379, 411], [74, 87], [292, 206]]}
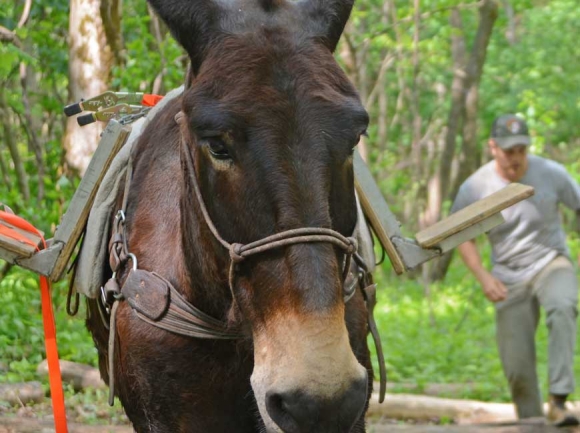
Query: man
{"points": [[532, 268]]}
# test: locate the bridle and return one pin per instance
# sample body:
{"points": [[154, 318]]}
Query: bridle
{"points": [[238, 252], [163, 306]]}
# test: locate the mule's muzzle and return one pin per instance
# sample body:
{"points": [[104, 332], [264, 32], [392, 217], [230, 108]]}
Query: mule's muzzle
{"points": [[297, 412]]}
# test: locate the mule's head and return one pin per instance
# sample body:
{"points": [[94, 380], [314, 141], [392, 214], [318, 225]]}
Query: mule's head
{"points": [[272, 122]]}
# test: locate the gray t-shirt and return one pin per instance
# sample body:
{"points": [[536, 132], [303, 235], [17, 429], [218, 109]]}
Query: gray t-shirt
{"points": [[532, 234]]}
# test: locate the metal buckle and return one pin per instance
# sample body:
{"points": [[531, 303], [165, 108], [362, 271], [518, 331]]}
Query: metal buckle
{"points": [[133, 259], [104, 299], [120, 217]]}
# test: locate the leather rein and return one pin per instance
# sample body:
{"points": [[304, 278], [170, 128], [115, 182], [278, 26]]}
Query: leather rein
{"points": [[157, 302]]}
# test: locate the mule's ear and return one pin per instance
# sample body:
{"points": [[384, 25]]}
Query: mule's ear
{"points": [[329, 18], [194, 23]]}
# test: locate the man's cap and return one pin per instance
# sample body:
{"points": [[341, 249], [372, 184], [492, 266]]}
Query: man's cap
{"points": [[510, 130]]}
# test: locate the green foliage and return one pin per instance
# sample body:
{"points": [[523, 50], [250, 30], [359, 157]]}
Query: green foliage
{"points": [[534, 74], [21, 330]]}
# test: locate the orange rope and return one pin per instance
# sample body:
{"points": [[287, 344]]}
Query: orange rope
{"points": [[54, 376]]}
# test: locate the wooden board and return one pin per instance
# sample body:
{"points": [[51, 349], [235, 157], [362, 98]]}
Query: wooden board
{"points": [[380, 217], [20, 249], [470, 232], [75, 218], [473, 214]]}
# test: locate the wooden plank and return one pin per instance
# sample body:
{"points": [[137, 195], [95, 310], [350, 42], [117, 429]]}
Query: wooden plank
{"points": [[380, 217], [43, 261], [19, 248], [74, 220], [471, 232], [9, 256], [411, 253], [474, 213]]}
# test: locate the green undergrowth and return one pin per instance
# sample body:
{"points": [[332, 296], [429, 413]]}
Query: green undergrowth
{"points": [[441, 334]]}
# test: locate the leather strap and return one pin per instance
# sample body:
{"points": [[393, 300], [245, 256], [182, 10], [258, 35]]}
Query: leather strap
{"points": [[145, 292], [370, 294]]}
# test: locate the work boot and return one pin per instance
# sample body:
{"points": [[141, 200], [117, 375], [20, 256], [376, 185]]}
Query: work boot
{"points": [[558, 415]]}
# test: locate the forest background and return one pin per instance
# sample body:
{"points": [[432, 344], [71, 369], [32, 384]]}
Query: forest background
{"points": [[433, 74]]}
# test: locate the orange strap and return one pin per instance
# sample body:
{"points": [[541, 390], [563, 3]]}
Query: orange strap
{"points": [[8, 232], [151, 100], [21, 223], [54, 376]]}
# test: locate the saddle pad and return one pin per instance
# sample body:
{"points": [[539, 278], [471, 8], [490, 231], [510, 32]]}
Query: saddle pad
{"points": [[94, 254]]}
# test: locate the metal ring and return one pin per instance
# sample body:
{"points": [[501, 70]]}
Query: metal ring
{"points": [[103, 296], [133, 259], [120, 216]]}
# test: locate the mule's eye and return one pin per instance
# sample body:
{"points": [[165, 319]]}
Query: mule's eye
{"points": [[217, 148], [363, 133]]}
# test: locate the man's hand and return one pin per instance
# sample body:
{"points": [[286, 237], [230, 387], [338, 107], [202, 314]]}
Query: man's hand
{"points": [[493, 289]]}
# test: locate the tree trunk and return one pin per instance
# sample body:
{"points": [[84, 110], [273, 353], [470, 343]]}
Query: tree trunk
{"points": [[4, 173], [464, 107], [21, 175], [31, 126], [439, 184], [471, 152], [91, 58]]}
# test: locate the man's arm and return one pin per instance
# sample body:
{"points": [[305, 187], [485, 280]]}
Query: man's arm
{"points": [[493, 289], [578, 229]]}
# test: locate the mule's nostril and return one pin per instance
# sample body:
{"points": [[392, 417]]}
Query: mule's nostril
{"points": [[298, 412], [278, 410]]}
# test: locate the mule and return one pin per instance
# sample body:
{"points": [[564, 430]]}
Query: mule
{"points": [[258, 147]]}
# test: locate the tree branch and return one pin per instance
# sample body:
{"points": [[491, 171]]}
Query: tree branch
{"points": [[4, 172], [9, 36], [385, 65], [425, 15], [13, 148], [111, 18], [456, 112], [25, 14]]}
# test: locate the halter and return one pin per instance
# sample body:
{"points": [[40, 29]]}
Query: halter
{"points": [[238, 252]]}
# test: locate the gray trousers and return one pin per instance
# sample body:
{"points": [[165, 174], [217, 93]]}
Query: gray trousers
{"points": [[555, 289]]}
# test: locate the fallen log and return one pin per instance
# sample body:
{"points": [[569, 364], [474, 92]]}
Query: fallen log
{"points": [[447, 390], [80, 376], [538, 426], [21, 393], [423, 408]]}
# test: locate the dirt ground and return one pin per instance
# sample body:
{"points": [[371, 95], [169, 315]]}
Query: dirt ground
{"points": [[17, 424], [94, 417]]}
